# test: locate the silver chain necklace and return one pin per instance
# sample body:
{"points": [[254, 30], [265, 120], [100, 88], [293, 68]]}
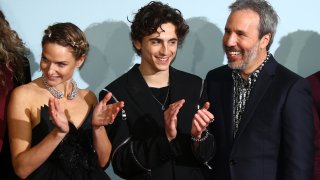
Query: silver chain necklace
{"points": [[59, 94], [165, 101]]}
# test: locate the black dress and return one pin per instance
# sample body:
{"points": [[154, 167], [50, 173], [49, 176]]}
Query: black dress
{"points": [[74, 158]]}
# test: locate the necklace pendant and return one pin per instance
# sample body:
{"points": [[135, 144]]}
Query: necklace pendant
{"points": [[165, 101]]}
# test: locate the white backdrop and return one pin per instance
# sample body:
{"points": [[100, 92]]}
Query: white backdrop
{"points": [[105, 23]]}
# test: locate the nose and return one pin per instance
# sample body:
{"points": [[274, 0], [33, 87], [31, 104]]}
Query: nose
{"points": [[230, 39], [51, 68], [164, 49]]}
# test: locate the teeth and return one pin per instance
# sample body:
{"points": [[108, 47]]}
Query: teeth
{"points": [[163, 59], [234, 53]]}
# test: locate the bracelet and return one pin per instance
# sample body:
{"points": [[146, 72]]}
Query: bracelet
{"points": [[202, 138]]}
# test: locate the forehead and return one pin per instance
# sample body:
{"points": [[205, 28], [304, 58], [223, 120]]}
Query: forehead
{"points": [[54, 51], [243, 20], [165, 31]]}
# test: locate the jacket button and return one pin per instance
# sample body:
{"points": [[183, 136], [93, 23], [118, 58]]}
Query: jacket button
{"points": [[233, 162]]}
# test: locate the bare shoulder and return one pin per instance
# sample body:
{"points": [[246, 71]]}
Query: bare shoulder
{"points": [[26, 91], [23, 99]]}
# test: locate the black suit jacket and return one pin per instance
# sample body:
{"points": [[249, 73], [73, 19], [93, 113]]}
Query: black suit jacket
{"points": [[140, 147], [275, 136]]}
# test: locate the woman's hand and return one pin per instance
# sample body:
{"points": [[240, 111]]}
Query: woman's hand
{"points": [[59, 119], [104, 114]]}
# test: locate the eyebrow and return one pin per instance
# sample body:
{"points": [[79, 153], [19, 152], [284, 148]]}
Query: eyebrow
{"points": [[57, 61], [159, 39]]}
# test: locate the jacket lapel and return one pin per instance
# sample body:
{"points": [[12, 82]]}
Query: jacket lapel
{"points": [[142, 95], [257, 93]]}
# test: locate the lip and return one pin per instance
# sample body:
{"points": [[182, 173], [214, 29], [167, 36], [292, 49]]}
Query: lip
{"points": [[163, 60], [233, 55], [51, 78]]}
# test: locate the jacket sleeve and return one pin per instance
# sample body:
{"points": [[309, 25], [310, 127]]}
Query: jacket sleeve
{"points": [[136, 152], [298, 133], [204, 149]]}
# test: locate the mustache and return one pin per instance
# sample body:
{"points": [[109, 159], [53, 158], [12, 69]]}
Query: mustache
{"points": [[230, 48]]}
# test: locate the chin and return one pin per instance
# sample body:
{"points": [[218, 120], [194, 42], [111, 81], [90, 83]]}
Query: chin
{"points": [[236, 66]]}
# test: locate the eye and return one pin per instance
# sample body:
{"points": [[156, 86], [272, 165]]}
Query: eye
{"points": [[60, 64], [173, 42], [44, 59], [155, 42], [241, 34], [226, 31]]}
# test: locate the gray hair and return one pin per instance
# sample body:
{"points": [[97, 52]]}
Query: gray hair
{"points": [[268, 16]]}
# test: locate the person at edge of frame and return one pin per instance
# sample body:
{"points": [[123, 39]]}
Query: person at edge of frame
{"points": [[263, 112]]}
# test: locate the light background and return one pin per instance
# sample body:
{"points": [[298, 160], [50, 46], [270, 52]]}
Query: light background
{"points": [[106, 26]]}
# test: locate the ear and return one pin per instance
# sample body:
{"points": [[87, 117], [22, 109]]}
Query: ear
{"points": [[264, 41], [80, 61], [137, 44]]}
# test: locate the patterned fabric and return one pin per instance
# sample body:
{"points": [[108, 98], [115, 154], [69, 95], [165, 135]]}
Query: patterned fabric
{"points": [[241, 93]]}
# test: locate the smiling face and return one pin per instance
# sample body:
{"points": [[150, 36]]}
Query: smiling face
{"points": [[158, 49], [58, 63], [244, 50]]}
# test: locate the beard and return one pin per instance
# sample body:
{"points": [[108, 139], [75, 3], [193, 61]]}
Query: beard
{"points": [[248, 57]]}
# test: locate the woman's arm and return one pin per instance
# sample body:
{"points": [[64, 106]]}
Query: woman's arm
{"points": [[26, 159], [103, 115]]}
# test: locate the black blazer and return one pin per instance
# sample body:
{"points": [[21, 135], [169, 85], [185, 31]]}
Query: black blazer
{"points": [[140, 147], [275, 137]]}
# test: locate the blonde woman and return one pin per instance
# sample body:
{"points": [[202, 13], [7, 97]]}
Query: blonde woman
{"points": [[53, 129]]}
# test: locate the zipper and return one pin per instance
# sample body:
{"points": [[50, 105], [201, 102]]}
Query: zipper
{"points": [[136, 160], [123, 112], [117, 148]]}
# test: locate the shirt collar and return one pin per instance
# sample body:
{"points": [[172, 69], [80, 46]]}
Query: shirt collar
{"points": [[254, 76]]}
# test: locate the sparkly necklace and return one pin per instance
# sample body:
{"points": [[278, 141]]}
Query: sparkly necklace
{"points": [[59, 94], [165, 101]]}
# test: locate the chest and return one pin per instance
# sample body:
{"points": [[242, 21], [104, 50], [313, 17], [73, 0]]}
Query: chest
{"points": [[75, 110]]}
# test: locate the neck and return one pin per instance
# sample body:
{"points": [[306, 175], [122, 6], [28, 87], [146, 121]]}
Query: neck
{"points": [[66, 87], [245, 73], [70, 89], [156, 79]]}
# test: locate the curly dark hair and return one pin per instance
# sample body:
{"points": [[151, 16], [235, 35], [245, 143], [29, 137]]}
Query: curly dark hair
{"points": [[67, 35], [12, 52], [150, 17]]}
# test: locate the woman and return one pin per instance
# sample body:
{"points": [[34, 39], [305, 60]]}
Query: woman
{"points": [[14, 71], [53, 129]]}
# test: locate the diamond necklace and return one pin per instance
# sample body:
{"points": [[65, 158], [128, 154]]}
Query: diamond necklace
{"points": [[165, 101], [58, 94]]}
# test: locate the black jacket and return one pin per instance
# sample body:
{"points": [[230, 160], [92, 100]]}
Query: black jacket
{"points": [[140, 147], [275, 136]]}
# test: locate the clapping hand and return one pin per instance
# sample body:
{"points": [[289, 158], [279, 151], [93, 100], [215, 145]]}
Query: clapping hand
{"points": [[201, 121], [104, 114], [170, 119], [59, 119]]}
